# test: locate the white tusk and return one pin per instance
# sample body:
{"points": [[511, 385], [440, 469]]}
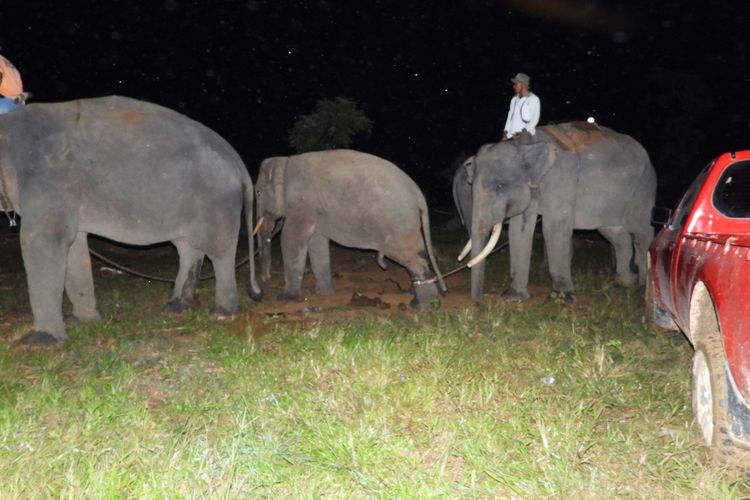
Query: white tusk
{"points": [[465, 251], [496, 230], [258, 224]]}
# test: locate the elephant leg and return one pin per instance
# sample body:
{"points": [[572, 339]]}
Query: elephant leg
{"points": [[320, 263], [622, 242], [45, 258], [185, 292], [294, 244], [641, 240], [79, 280], [425, 296], [226, 301], [558, 235], [520, 241], [423, 282], [422, 276]]}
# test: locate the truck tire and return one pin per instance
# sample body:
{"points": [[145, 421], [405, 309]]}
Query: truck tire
{"points": [[710, 400]]}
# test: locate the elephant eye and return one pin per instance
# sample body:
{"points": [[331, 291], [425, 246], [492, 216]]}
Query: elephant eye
{"points": [[499, 187]]}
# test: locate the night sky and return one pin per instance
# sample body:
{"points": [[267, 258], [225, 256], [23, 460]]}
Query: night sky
{"points": [[433, 76]]}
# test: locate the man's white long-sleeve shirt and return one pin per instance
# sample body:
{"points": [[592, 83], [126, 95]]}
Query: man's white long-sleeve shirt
{"points": [[523, 114]]}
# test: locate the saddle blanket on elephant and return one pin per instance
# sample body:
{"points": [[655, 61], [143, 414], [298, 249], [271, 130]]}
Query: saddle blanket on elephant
{"points": [[575, 137]]}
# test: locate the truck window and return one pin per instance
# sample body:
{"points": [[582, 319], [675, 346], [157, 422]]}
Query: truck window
{"points": [[732, 192], [686, 204]]}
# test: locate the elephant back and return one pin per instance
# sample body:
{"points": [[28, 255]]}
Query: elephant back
{"points": [[576, 137], [352, 173]]}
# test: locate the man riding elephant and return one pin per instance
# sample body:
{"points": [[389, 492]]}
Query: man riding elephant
{"points": [[11, 87], [575, 176]]}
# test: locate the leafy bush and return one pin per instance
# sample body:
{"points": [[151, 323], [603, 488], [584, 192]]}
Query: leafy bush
{"points": [[332, 125]]}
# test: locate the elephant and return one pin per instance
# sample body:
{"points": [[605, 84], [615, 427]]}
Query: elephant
{"points": [[607, 184], [355, 199], [132, 172]]}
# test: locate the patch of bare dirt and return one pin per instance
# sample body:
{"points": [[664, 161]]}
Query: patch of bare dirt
{"points": [[360, 284]]}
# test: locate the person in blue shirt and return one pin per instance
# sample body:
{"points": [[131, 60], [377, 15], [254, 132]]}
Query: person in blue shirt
{"points": [[11, 87]]}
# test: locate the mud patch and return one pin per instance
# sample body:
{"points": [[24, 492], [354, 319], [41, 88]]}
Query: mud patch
{"points": [[360, 300]]}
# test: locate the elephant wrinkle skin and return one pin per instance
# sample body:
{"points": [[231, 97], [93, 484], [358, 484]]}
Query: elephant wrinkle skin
{"points": [[130, 171], [610, 186], [355, 199]]}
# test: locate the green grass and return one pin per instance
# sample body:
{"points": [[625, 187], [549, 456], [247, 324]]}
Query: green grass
{"points": [[441, 404]]}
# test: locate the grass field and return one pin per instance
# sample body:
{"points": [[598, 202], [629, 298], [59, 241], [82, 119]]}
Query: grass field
{"points": [[530, 400]]}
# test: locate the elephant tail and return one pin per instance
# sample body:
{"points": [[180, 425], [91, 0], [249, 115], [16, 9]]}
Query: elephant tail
{"points": [[425, 217], [381, 261], [253, 290]]}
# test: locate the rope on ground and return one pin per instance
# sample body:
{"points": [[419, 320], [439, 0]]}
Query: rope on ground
{"points": [[239, 264], [128, 270], [151, 277]]}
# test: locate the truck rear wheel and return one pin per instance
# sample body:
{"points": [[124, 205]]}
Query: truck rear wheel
{"points": [[710, 398]]}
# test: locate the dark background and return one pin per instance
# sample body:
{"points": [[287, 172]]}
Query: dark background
{"points": [[433, 76]]}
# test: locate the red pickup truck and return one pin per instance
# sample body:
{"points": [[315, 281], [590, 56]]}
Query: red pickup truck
{"points": [[700, 284]]}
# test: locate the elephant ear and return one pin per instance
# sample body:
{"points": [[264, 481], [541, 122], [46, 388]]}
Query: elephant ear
{"points": [[537, 160], [469, 166], [273, 172], [483, 155]]}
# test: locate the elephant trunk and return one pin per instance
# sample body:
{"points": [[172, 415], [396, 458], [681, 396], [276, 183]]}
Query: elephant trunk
{"points": [[265, 229], [477, 280], [486, 214], [478, 238]]}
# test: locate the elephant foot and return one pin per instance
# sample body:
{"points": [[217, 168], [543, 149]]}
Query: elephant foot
{"points": [[87, 318], [626, 281], [567, 298], [38, 339], [179, 306], [290, 297], [224, 313], [324, 290], [426, 296], [515, 295], [256, 295]]}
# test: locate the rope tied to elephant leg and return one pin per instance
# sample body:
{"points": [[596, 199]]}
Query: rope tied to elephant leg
{"points": [[423, 282]]}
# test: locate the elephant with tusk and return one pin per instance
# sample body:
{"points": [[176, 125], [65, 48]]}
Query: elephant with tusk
{"points": [[130, 171], [603, 181], [355, 199]]}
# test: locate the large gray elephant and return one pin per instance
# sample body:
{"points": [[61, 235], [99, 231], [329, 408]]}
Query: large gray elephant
{"points": [[352, 198], [130, 171], [599, 180]]}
